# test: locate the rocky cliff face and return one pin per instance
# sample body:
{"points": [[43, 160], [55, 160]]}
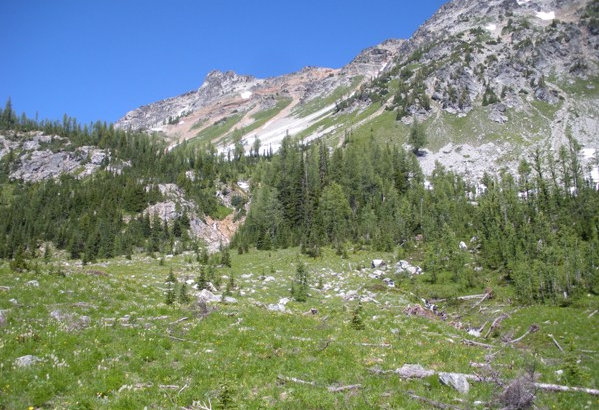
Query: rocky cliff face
{"points": [[494, 80], [35, 157]]}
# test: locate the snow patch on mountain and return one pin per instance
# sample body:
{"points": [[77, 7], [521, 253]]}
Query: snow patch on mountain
{"points": [[546, 15]]}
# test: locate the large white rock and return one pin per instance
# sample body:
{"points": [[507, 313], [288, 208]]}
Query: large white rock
{"points": [[405, 266], [378, 263], [456, 380], [26, 361], [206, 296]]}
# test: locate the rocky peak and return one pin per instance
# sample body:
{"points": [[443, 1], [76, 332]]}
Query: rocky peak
{"points": [[225, 80], [372, 60]]}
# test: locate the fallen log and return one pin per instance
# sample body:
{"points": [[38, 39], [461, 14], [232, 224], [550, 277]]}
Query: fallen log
{"points": [[469, 297], [468, 342], [295, 380], [533, 328], [496, 323], [336, 389], [179, 321], [485, 297], [374, 344], [555, 342], [418, 372], [561, 388]]}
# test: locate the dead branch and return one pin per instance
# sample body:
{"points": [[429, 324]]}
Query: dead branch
{"points": [[374, 344], [560, 388], [592, 314], [169, 386], [294, 380], [533, 328], [327, 343], [421, 373], [469, 297], [179, 321], [485, 297], [496, 323], [180, 340], [200, 405], [468, 342], [336, 389], [433, 403], [555, 342]]}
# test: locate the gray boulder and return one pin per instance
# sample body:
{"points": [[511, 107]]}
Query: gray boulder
{"points": [[206, 296], [456, 380], [26, 361]]}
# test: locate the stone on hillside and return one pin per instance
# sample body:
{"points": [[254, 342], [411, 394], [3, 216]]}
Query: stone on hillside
{"points": [[206, 296], [70, 321], [378, 263], [229, 299], [474, 332], [276, 307], [404, 266], [26, 361], [409, 371], [463, 246], [456, 380], [389, 282], [351, 295], [34, 283]]}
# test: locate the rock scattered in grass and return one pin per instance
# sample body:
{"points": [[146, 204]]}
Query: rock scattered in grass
{"points": [[26, 361], [455, 380], [71, 321]]}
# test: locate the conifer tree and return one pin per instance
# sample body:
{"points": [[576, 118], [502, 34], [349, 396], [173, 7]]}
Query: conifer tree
{"points": [[299, 286], [183, 294]]}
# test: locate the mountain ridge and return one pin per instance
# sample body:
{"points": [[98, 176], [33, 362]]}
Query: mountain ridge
{"points": [[516, 74]]}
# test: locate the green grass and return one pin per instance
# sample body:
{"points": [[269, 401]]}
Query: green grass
{"points": [[580, 87], [221, 212], [384, 129], [216, 130], [317, 104], [122, 363]]}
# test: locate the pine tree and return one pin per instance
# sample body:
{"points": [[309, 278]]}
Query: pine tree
{"points": [[170, 294], [417, 137], [171, 277], [299, 287], [171, 284], [356, 321], [202, 280], [183, 295]]}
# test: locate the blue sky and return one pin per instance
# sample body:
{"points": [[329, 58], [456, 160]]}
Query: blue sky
{"points": [[99, 59]]}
